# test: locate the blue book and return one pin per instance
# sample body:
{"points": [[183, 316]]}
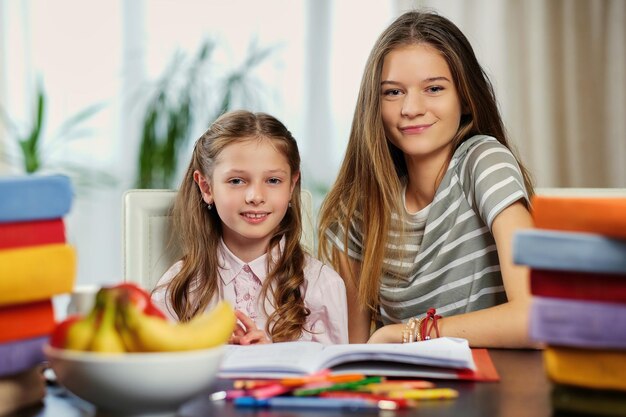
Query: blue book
{"points": [[34, 197], [21, 355], [569, 251], [576, 323]]}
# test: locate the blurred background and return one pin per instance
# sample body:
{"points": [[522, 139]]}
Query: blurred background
{"points": [[114, 93]]}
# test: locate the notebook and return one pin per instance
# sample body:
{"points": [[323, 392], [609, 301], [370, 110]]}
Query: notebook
{"points": [[443, 358]]}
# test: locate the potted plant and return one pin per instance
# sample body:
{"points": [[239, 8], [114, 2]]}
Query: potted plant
{"points": [[188, 94], [33, 154]]}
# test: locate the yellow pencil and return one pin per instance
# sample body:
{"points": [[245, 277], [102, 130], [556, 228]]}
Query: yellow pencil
{"points": [[389, 386], [425, 394]]}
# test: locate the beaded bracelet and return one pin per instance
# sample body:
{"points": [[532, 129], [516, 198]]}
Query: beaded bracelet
{"points": [[409, 330]]}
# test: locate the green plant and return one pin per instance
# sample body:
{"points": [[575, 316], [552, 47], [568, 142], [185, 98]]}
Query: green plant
{"points": [[35, 154], [188, 94]]}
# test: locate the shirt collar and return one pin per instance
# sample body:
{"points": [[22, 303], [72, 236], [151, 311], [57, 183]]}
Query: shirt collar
{"points": [[230, 265]]}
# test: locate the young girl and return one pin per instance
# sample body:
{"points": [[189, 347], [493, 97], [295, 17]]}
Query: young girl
{"points": [[237, 215], [428, 197]]}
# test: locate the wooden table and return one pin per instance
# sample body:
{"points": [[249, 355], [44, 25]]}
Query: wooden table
{"points": [[522, 391]]}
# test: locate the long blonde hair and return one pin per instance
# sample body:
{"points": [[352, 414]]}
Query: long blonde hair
{"points": [[200, 230], [370, 176]]}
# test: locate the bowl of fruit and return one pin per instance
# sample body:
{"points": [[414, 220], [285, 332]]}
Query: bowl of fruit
{"points": [[126, 358]]}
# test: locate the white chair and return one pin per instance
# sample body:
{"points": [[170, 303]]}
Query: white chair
{"points": [[147, 251]]}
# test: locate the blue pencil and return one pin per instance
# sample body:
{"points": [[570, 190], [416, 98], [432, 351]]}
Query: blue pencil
{"points": [[345, 404]]}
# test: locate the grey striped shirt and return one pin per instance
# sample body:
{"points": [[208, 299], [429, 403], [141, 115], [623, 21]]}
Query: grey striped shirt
{"points": [[445, 256]]}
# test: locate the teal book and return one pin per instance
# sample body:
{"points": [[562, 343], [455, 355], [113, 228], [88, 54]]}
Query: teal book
{"points": [[34, 197], [569, 251]]}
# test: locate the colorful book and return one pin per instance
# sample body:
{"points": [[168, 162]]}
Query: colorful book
{"points": [[578, 285], [575, 323], [590, 402], [31, 233], [34, 197], [21, 355], [569, 251], [22, 390], [597, 369], [36, 273], [600, 215], [25, 321]]}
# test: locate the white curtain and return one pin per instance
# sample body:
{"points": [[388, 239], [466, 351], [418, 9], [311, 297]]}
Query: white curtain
{"points": [[559, 69]]}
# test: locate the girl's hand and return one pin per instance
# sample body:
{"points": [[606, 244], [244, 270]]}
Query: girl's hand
{"points": [[246, 332]]}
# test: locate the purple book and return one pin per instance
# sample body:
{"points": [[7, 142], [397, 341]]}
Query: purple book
{"points": [[577, 323], [21, 355]]}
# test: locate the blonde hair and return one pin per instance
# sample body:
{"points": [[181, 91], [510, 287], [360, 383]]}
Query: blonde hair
{"points": [[371, 172], [200, 230]]}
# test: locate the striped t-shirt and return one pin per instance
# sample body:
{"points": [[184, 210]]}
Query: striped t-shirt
{"points": [[445, 255]]}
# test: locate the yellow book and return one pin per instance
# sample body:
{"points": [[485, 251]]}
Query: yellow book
{"points": [[599, 369], [36, 272]]}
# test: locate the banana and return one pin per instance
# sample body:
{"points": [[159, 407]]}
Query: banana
{"points": [[156, 335], [106, 339], [80, 334]]}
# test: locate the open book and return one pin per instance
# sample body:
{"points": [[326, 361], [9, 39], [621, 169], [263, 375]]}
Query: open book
{"points": [[448, 358]]}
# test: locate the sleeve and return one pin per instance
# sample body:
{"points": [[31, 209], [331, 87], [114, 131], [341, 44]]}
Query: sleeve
{"points": [[326, 298], [492, 179], [336, 234], [159, 295]]}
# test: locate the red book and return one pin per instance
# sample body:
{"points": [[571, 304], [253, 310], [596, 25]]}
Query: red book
{"points": [[25, 321], [578, 285], [485, 369], [31, 233]]}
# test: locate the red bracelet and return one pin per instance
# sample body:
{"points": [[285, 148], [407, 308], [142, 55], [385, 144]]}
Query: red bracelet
{"points": [[432, 317]]}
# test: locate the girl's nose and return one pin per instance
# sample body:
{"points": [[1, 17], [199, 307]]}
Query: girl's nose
{"points": [[413, 105], [255, 195]]}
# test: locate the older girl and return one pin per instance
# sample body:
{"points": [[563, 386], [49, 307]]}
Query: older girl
{"points": [[420, 219]]}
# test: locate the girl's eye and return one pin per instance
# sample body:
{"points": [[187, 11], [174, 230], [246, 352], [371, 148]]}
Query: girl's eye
{"points": [[392, 92], [274, 181], [235, 181], [434, 89]]}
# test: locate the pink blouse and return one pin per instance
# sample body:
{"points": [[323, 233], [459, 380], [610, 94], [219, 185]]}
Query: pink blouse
{"points": [[240, 283]]}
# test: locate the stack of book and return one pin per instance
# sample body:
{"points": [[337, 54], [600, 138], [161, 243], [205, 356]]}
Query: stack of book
{"points": [[577, 257], [36, 263]]}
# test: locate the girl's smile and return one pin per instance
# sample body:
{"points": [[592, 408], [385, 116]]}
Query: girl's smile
{"points": [[255, 218], [415, 129]]}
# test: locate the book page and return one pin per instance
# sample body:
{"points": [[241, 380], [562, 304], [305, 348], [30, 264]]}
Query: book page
{"points": [[286, 358], [443, 352]]}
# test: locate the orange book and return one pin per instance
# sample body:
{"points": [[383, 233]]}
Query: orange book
{"points": [[25, 321], [600, 215]]}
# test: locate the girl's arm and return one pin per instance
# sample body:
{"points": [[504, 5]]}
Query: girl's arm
{"points": [[359, 317], [505, 325]]}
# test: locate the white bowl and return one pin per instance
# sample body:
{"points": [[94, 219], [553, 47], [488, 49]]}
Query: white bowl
{"points": [[136, 383]]}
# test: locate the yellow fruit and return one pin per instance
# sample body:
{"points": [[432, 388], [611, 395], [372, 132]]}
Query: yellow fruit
{"points": [[106, 339], [80, 334], [156, 335]]}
